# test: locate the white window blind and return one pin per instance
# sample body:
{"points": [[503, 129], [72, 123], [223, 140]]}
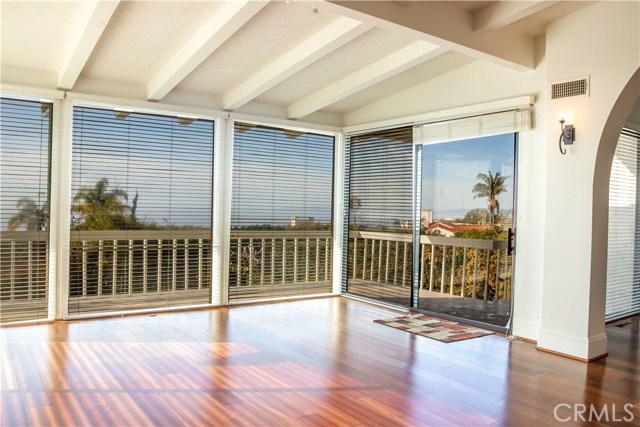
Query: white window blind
{"points": [[380, 250], [25, 139], [281, 206], [473, 127], [623, 263], [141, 211]]}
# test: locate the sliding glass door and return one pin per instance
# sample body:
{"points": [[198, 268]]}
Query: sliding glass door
{"points": [[466, 223]]}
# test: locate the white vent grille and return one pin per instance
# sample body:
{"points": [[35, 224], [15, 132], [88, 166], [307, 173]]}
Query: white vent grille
{"points": [[569, 88]]}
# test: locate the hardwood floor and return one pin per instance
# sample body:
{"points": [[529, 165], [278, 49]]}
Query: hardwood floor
{"points": [[304, 363]]}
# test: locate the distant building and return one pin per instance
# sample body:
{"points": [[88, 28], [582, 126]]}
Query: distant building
{"points": [[301, 220], [449, 229], [426, 216]]}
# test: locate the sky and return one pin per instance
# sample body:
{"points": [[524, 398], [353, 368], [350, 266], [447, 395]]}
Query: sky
{"points": [[449, 173]]}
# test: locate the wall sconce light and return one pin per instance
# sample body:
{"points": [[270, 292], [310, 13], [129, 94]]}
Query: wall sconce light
{"points": [[567, 135]]}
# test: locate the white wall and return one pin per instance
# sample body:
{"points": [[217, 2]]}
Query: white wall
{"points": [[601, 41]]}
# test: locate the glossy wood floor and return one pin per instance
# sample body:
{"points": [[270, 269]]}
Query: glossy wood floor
{"points": [[314, 362]]}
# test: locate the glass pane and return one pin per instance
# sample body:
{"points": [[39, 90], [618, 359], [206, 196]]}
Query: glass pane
{"points": [[466, 217], [281, 241], [140, 211], [24, 209], [380, 251]]}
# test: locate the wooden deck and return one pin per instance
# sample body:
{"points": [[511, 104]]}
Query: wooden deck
{"points": [[495, 313], [320, 362]]}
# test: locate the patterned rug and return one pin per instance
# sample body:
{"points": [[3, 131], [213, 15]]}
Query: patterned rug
{"points": [[432, 327]]}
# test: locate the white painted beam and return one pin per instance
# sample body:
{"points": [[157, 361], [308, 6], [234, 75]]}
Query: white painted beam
{"points": [[228, 19], [308, 51], [502, 14], [443, 24], [97, 18], [365, 77]]}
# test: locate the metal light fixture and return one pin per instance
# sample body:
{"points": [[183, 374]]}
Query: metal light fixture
{"points": [[567, 135]]}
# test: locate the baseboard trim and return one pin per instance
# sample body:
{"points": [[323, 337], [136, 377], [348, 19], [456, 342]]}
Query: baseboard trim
{"points": [[569, 356]]}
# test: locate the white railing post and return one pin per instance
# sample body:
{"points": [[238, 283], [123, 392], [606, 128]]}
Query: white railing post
{"points": [[200, 262], [386, 263], [84, 268], [12, 263], [100, 265], [273, 261], [404, 263], [295, 260], [327, 246], [250, 278], [115, 267], [306, 260], [486, 275], [263, 249], [453, 269], [355, 256], [186, 264], [464, 271], [159, 278], [130, 268], [442, 273], [145, 266], [432, 256]]}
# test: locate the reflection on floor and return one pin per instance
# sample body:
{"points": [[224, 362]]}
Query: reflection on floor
{"points": [[490, 312]]}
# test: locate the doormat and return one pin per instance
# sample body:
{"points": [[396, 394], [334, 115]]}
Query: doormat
{"points": [[431, 327]]}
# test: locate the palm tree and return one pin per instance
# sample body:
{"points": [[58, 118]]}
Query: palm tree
{"points": [[100, 207], [490, 186], [33, 216]]}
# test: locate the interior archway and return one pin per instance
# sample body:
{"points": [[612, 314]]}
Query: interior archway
{"points": [[606, 148]]}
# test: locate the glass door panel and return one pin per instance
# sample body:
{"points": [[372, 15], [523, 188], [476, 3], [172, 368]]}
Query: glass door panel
{"points": [[467, 205]]}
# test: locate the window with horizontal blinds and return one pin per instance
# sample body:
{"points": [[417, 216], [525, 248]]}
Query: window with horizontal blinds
{"points": [[380, 250], [141, 193], [25, 140], [623, 263], [281, 204]]}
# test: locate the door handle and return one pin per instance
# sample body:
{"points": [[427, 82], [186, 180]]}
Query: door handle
{"points": [[510, 241]]}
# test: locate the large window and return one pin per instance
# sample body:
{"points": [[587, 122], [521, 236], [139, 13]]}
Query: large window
{"points": [[25, 137], [140, 211], [623, 265], [379, 263], [280, 213]]}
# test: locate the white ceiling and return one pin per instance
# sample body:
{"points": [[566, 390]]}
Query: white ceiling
{"points": [[289, 59]]}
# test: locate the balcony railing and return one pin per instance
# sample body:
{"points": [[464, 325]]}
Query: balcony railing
{"points": [[279, 263], [23, 275], [470, 268], [113, 270]]}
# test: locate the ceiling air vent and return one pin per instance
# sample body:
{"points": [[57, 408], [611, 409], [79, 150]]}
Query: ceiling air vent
{"points": [[567, 88]]}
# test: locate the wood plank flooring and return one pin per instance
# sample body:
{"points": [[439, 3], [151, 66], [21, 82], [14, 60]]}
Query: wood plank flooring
{"points": [[320, 362]]}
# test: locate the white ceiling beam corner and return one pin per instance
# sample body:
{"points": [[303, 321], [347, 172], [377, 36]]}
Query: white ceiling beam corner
{"points": [[384, 68], [97, 18], [502, 14], [228, 19], [305, 53], [443, 24]]}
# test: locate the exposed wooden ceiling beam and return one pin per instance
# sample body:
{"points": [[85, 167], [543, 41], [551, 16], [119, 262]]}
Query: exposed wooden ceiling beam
{"points": [[308, 51], [365, 77], [445, 25], [231, 16], [502, 14], [98, 16]]}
